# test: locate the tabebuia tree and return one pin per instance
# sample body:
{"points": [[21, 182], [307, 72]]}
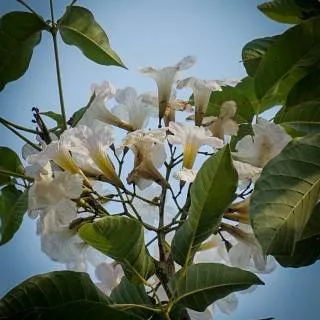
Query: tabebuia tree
{"points": [[177, 203]]}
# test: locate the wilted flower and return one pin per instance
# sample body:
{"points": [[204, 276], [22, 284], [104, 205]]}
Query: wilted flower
{"points": [[150, 154], [165, 78], [225, 124]]}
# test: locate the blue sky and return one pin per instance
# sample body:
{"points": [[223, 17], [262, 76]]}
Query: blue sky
{"points": [[146, 33]]}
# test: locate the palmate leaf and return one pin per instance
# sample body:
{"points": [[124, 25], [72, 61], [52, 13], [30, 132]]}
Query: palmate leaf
{"points": [[285, 195], [20, 32], [79, 28], [199, 285], [13, 205], [211, 193], [122, 239], [283, 65], [58, 295]]}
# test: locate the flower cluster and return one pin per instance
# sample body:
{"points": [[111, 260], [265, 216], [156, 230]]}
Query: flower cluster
{"points": [[124, 147]]}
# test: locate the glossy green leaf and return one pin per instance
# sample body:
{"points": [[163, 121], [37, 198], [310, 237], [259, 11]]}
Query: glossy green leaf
{"points": [[290, 11], [13, 205], [245, 111], [285, 11], [211, 193], [202, 284], [285, 195], [303, 118], [306, 252], [133, 295], [282, 64], [253, 52], [79, 28], [123, 240], [58, 295], [20, 32]]}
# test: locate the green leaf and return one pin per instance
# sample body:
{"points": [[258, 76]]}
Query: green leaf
{"points": [[306, 252], [211, 193], [246, 87], [54, 116], [245, 111], [10, 162], [281, 65], [285, 11], [307, 89], [79, 28], [313, 225], [13, 205], [123, 240], [303, 118], [20, 32], [134, 295], [285, 195], [253, 52], [80, 310], [290, 11], [200, 285], [58, 295]]}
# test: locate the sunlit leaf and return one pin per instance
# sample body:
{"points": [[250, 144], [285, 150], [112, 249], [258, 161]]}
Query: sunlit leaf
{"points": [[13, 205], [253, 52], [285, 195], [211, 193], [79, 28], [20, 32], [202, 284], [281, 65], [123, 240], [58, 295], [285, 11], [290, 11]]}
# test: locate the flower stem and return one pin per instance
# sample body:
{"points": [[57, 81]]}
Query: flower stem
{"points": [[22, 137], [56, 56], [3, 121], [15, 174]]}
